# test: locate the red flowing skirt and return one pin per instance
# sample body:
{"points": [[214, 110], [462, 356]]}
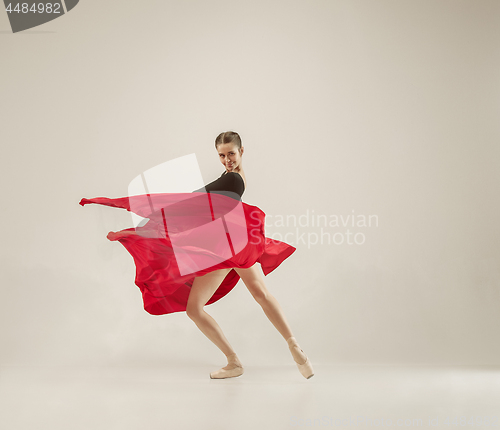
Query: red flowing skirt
{"points": [[189, 235]]}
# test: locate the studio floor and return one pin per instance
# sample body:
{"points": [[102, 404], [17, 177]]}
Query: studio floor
{"points": [[338, 396]]}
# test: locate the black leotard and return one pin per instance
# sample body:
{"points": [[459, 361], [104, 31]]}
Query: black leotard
{"points": [[231, 182]]}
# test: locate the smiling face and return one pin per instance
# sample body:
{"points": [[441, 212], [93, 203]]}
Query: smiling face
{"points": [[230, 156]]}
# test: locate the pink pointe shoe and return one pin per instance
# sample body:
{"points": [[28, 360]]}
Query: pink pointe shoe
{"points": [[235, 369], [306, 367]]}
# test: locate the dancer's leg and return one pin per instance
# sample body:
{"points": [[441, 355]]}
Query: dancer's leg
{"points": [[254, 280], [202, 290]]}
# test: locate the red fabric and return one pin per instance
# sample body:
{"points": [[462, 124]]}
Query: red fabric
{"points": [[173, 217]]}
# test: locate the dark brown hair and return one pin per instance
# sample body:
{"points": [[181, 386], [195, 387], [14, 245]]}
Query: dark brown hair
{"points": [[228, 137]]}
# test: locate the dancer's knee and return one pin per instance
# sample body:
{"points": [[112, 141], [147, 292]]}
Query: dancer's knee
{"points": [[194, 312], [262, 296]]}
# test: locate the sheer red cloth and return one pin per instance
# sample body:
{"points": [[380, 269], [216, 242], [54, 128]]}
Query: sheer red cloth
{"points": [[189, 235]]}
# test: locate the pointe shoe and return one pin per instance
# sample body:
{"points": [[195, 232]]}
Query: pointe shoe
{"points": [[237, 370], [305, 368], [225, 373]]}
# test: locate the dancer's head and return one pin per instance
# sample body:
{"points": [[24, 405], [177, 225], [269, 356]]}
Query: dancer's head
{"points": [[228, 145]]}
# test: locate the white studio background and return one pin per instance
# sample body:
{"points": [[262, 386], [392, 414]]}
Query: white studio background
{"points": [[386, 108]]}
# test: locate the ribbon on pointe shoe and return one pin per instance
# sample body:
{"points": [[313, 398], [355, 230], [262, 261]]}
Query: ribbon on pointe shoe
{"points": [[304, 368], [236, 369]]}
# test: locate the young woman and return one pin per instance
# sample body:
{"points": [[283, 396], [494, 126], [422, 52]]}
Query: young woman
{"points": [[230, 151], [166, 289]]}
